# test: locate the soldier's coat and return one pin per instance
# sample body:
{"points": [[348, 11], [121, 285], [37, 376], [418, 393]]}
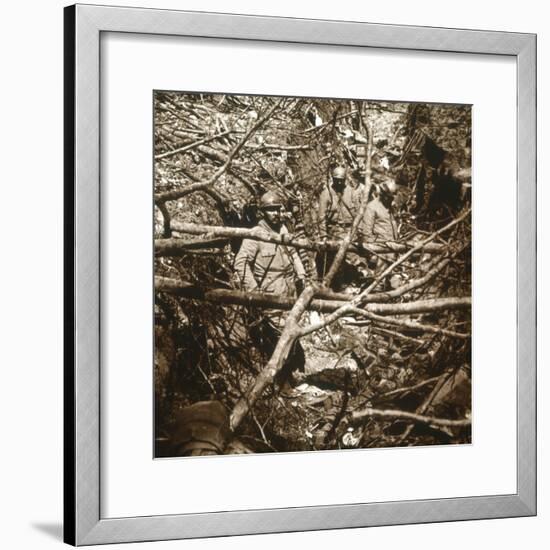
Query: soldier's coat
{"points": [[338, 210], [268, 267], [378, 223]]}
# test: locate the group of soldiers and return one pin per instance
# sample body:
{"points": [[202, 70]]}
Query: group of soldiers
{"points": [[278, 269]]}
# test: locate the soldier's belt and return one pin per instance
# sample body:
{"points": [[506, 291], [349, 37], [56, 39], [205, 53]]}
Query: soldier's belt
{"points": [[286, 270]]}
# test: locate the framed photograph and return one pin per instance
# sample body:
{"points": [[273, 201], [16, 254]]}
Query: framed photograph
{"points": [[300, 275]]}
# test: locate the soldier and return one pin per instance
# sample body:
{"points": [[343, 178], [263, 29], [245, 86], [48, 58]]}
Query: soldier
{"points": [[379, 222], [379, 225], [275, 269], [338, 205]]}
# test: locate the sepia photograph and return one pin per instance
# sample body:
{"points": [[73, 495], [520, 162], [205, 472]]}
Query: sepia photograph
{"points": [[312, 274]]}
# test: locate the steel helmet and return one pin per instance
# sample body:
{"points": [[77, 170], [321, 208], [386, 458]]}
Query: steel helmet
{"points": [[271, 198], [389, 187], [339, 173]]}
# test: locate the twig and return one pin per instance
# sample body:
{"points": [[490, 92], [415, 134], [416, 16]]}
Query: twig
{"points": [[413, 324], [408, 389], [358, 417], [442, 379], [177, 194], [389, 332], [260, 427], [341, 413], [191, 145], [420, 306], [276, 147]]}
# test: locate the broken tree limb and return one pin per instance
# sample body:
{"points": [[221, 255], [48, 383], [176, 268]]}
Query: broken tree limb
{"points": [[441, 382], [177, 194], [419, 246], [263, 299], [258, 299], [405, 308], [276, 361], [275, 147], [392, 333], [358, 417], [418, 306], [178, 247], [360, 298], [407, 389], [191, 145], [412, 324], [211, 231], [235, 297], [166, 223]]}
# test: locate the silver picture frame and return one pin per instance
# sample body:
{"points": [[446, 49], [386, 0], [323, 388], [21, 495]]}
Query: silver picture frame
{"points": [[83, 524]]}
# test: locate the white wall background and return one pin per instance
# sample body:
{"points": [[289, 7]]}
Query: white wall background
{"points": [[31, 294]]}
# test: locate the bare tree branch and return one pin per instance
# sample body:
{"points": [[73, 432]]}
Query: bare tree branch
{"points": [[359, 417], [212, 231], [179, 247], [276, 147], [191, 145], [360, 298], [179, 193], [442, 380], [166, 226], [261, 299], [413, 324], [418, 306], [407, 389], [274, 365]]}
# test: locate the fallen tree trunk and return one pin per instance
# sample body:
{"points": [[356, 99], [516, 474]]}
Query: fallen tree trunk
{"points": [[236, 297], [178, 247], [171, 247], [336, 300], [261, 299]]}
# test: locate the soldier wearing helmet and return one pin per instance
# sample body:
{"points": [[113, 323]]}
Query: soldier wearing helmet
{"points": [[269, 267], [379, 225], [338, 205], [379, 222], [274, 269]]}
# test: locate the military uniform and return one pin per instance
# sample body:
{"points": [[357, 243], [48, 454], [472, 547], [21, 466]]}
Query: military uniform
{"points": [[336, 214], [271, 268], [378, 223], [338, 210], [268, 267]]}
